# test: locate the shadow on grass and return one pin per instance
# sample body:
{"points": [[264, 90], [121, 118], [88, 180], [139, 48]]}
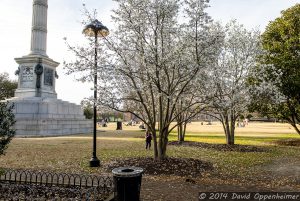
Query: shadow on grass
{"points": [[288, 142], [221, 147]]}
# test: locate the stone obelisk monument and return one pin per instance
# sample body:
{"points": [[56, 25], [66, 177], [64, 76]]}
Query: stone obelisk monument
{"points": [[37, 80], [39, 28], [37, 110]]}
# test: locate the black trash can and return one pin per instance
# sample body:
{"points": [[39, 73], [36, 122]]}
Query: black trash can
{"points": [[127, 181]]}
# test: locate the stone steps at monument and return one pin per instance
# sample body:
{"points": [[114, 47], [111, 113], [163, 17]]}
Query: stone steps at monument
{"points": [[49, 116], [46, 108], [52, 127], [37, 116]]}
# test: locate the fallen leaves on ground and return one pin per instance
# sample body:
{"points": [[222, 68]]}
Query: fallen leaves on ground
{"points": [[169, 166]]}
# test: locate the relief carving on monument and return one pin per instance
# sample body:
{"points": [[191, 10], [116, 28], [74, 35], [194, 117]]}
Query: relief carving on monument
{"points": [[26, 76], [48, 77]]}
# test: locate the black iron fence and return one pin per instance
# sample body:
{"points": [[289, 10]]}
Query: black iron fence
{"points": [[58, 179], [38, 185]]}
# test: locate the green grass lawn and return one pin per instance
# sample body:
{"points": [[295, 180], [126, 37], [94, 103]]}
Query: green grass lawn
{"points": [[72, 153]]}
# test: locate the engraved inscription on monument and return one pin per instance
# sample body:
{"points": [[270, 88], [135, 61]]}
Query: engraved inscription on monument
{"points": [[48, 77], [27, 76]]}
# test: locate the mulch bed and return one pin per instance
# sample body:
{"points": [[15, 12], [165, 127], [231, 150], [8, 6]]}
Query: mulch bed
{"points": [[12, 191], [169, 166], [221, 147], [288, 142]]}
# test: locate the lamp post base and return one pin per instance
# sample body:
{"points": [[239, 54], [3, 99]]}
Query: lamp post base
{"points": [[94, 162]]}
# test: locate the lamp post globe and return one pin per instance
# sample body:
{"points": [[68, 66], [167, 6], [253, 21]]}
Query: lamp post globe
{"points": [[95, 29]]}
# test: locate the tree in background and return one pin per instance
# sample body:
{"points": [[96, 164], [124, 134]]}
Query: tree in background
{"points": [[186, 114], [202, 40], [7, 86], [7, 118], [87, 107], [277, 79], [227, 84]]}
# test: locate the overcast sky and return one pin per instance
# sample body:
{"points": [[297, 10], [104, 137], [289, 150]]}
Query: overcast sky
{"points": [[64, 21]]}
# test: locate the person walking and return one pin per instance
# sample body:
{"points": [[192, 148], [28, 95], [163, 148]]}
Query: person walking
{"points": [[148, 139]]}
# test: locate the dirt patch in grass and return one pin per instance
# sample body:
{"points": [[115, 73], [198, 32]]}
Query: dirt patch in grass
{"points": [[288, 142], [170, 166], [221, 147]]}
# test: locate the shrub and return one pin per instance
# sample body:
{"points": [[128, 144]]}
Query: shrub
{"points": [[7, 120]]}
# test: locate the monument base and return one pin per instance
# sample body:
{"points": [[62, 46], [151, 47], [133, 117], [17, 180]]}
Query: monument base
{"points": [[36, 116]]}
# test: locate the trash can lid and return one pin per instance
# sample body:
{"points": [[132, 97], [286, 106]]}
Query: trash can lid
{"points": [[127, 171]]}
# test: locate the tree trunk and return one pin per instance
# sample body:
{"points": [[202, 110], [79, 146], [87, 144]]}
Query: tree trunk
{"points": [[229, 128], [155, 145], [163, 143], [180, 132], [184, 130], [229, 138], [296, 128], [294, 116], [153, 131]]}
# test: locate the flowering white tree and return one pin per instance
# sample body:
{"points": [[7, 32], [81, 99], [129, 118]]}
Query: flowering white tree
{"points": [[204, 40], [227, 83], [154, 65], [153, 62]]}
